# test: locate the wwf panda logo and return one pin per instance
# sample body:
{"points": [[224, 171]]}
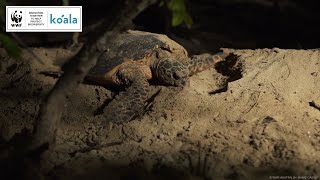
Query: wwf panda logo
{"points": [[16, 16]]}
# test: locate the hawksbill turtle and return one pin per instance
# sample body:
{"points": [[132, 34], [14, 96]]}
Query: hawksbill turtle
{"points": [[135, 57]]}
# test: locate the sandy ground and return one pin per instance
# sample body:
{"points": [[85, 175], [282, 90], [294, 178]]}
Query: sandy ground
{"points": [[264, 126]]}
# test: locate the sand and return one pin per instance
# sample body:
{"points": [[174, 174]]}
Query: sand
{"points": [[265, 124]]}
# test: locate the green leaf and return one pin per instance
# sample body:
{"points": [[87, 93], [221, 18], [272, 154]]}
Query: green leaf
{"points": [[10, 46], [188, 20], [179, 13], [176, 5], [177, 19]]}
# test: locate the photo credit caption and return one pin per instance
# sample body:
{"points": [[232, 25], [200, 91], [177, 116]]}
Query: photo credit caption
{"points": [[295, 177]]}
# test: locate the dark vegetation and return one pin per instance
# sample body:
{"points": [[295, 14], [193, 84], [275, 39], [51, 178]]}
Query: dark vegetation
{"points": [[215, 23]]}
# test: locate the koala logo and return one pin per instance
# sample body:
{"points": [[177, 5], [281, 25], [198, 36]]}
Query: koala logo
{"points": [[16, 16]]}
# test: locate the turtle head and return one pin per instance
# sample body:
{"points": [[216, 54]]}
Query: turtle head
{"points": [[172, 72]]}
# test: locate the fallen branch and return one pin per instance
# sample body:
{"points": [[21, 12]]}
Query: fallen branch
{"points": [[51, 111]]}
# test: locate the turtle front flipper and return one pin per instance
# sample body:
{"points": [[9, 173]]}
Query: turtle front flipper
{"points": [[129, 103], [198, 63]]}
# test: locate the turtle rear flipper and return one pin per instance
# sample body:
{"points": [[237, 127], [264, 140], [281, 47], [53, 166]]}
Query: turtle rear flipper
{"points": [[129, 103]]}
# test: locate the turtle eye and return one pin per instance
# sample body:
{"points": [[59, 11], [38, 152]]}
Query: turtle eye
{"points": [[176, 76]]}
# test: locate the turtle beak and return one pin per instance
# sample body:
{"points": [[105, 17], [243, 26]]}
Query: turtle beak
{"points": [[186, 83], [181, 78], [182, 82]]}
